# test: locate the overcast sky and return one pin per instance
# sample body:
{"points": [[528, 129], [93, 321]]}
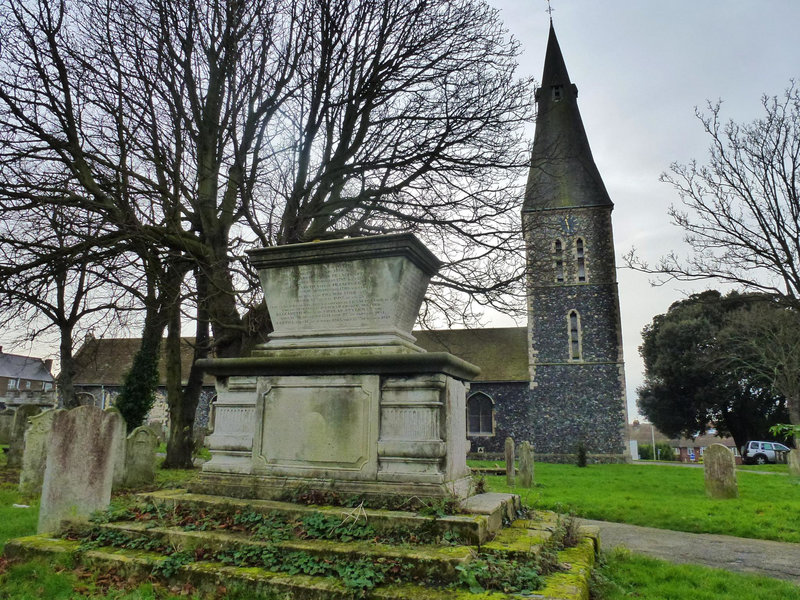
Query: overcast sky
{"points": [[641, 67]]}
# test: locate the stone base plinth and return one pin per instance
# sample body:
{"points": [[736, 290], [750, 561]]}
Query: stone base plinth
{"points": [[361, 424], [284, 488]]}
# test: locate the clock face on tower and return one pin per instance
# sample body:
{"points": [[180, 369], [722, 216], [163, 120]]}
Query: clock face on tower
{"points": [[568, 224]]}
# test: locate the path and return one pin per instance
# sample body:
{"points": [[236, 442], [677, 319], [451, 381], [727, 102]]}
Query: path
{"points": [[780, 560]]}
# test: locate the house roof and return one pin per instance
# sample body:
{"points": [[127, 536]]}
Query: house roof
{"points": [[501, 353], [16, 366], [105, 361], [641, 433]]}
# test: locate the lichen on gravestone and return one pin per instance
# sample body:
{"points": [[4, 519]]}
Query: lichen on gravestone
{"points": [[719, 465], [34, 455], [509, 462], [525, 465]]}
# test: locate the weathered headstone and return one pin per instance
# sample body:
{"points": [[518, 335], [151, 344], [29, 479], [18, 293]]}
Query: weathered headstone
{"points": [[79, 468], [794, 462], [6, 425], [509, 462], [157, 427], [720, 472], [17, 443], [140, 457], [35, 453], [119, 451], [525, 465]]}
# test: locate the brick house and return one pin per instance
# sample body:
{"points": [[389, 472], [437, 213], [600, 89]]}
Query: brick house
{"points": [[26, 380]]}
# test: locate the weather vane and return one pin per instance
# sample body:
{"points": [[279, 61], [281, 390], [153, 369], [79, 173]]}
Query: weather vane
{"points": [[550, 10]]}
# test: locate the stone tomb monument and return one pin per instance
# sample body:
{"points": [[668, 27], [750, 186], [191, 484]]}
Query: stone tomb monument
{"points": [[340, 396], [6, 425]]}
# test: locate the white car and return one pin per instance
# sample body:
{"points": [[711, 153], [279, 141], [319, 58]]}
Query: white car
{"points": [[760, 453]]}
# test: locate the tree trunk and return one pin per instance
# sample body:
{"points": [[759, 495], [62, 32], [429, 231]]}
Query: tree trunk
{"points": [[66, 377], [183, 401]]}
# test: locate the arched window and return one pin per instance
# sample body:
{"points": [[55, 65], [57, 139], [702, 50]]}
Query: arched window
{"points": [[574, 335], [558, 251], [480, 414], [580, 253]]}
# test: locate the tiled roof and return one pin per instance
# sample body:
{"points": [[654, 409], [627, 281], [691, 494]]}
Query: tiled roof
{"points": [[16, 366], [106, 361], [501, 353]]}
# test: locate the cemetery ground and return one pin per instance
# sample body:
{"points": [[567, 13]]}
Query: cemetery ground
{"points": [[655, 496]]}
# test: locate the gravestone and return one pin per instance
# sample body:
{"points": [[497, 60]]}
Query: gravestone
{"points": [[79, 468], [794, 462], [157, 427], [509, 462], [140, 457], [37, 437], [17, 443], [525, 465], [119, 451], [720, 472], [6, 425]]}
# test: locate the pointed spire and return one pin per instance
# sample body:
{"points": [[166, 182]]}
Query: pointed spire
{"points": [[562, 173]]}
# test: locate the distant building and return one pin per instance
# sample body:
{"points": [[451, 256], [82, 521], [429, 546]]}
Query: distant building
{"points": [[682, 448], [26, 380]]}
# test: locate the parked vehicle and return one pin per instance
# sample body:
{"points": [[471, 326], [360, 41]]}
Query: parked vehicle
{"points": [[760, 453]]}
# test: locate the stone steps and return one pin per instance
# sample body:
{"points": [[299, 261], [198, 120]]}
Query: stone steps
{"points": [[485, 517], [300, 568]]}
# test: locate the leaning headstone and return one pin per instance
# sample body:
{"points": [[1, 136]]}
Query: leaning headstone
{"points": [[119, 452], [794, 462], [79, 467], [509, 462], [525, 465], [17, 443], [6, 425], [720, 471], [35, 453], [140, 457]]}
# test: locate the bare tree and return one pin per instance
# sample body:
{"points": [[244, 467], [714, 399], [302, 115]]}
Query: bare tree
{"points": [[765, 339], [197, 128], [741, 210]]}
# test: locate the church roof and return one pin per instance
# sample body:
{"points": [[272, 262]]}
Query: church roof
{"points": [[501, 353], [563, 173]]}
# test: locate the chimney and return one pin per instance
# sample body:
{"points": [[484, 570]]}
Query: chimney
{"points": [[48, 364]]}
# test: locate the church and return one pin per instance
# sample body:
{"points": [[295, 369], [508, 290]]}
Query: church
{"points": [[559, 381]]}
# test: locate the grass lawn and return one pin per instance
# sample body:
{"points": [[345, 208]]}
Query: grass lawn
{"points": [[623, 576], [667, 497]]}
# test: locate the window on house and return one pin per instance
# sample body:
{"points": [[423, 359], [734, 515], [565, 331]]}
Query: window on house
{"points": [[12, 384], [480, 414], [574, 336], [558, 250], [579, 250], [48, 387]]}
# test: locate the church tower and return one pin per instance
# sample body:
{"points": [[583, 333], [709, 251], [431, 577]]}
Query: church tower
{"points": [[574, 332]]}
